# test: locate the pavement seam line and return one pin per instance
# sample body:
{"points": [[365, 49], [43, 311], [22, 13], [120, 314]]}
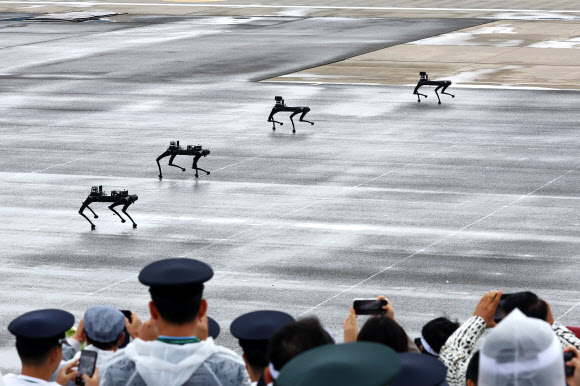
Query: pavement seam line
{"points": [[439, 241]]}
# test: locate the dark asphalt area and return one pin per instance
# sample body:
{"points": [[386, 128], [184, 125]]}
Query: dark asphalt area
{"points": [[431, 205]]}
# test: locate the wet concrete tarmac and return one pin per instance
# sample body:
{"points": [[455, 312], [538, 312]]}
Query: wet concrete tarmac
{"points": [[429, 204]]}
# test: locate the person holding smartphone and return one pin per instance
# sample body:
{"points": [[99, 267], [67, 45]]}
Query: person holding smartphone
{"points": [[103, 331], [39, 338]]}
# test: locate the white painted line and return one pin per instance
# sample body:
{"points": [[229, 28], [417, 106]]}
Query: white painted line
{"points": [[455, 85], [316, 202], [571, 308], [97, 291], [50, 167], [90, 3], [280, 217], [438, 241]]}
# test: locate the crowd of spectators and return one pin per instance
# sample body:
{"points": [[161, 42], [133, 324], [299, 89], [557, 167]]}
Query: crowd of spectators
{"points": [[175, 346]]}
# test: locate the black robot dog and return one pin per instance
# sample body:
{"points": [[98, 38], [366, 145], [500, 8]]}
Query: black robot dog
{"points": [[281, 106], [117, 197], [424, 81], [174, 150]]}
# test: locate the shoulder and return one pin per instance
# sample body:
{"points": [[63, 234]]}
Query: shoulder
{"points": [[228, 366], [225, 354], [120, 363]]}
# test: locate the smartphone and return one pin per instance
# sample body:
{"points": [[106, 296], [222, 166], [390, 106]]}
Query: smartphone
{"points": [[369, 306], [128, 314], [86, 365], [499, 310]]}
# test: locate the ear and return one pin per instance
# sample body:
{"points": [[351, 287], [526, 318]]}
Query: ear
{"points": [[153, 311], [121, 339], [267, 376], [470, 382], [202, 308], [55, 354]]}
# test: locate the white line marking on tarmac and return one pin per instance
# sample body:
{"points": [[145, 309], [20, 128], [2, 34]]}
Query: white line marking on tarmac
{"points": [[275, 219], [216, 170], [316, 202], [97, 291], [437, 242], [571, 308], [91, 3], [49, 167]]}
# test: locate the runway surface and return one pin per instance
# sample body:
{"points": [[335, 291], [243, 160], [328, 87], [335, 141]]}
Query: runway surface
{"points": [[431, 205]]}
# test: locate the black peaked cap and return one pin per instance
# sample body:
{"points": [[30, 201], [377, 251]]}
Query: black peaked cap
{"points": [[213, 328], [41, 324], [420, 369], [178, 272], [259, 325]]}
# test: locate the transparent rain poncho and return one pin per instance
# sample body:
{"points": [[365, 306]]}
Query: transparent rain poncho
{"points": [[521, 351], [160, 364]]}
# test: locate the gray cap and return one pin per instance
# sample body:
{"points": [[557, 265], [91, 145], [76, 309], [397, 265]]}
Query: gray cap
{"points": [[104, 324]]}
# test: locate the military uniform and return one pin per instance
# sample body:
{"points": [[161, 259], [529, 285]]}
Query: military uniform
{"points": [[41, 329], [253, 331], [175, 360]]}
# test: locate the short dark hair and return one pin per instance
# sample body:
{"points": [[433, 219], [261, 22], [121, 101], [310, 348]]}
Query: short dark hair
{"points": [[103, 346], [34, 355], [527, 302], [294, 339], [256, 351], [472, 371], [437, 331], [177, 305], [385, 330]]}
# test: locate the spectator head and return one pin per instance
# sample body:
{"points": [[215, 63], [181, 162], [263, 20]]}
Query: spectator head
{"points": [[528, 303], [521, 351], [294, 339], [176, 287], [418, 369], [472, 371], [253, 331], [39, 337], [434, 335], [383, 329], [104, 327], [358, 363]]}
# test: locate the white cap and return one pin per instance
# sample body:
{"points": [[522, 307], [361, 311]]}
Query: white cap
{"points": [[521, 351]]}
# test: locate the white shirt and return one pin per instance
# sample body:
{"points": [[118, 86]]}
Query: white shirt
{"points": [[18, 380]]}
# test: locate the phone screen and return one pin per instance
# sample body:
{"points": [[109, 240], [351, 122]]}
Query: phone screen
{"points": [[88, 362], [369, 306]]}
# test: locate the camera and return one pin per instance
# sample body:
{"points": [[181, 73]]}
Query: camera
{"points": [[279, 101]]}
